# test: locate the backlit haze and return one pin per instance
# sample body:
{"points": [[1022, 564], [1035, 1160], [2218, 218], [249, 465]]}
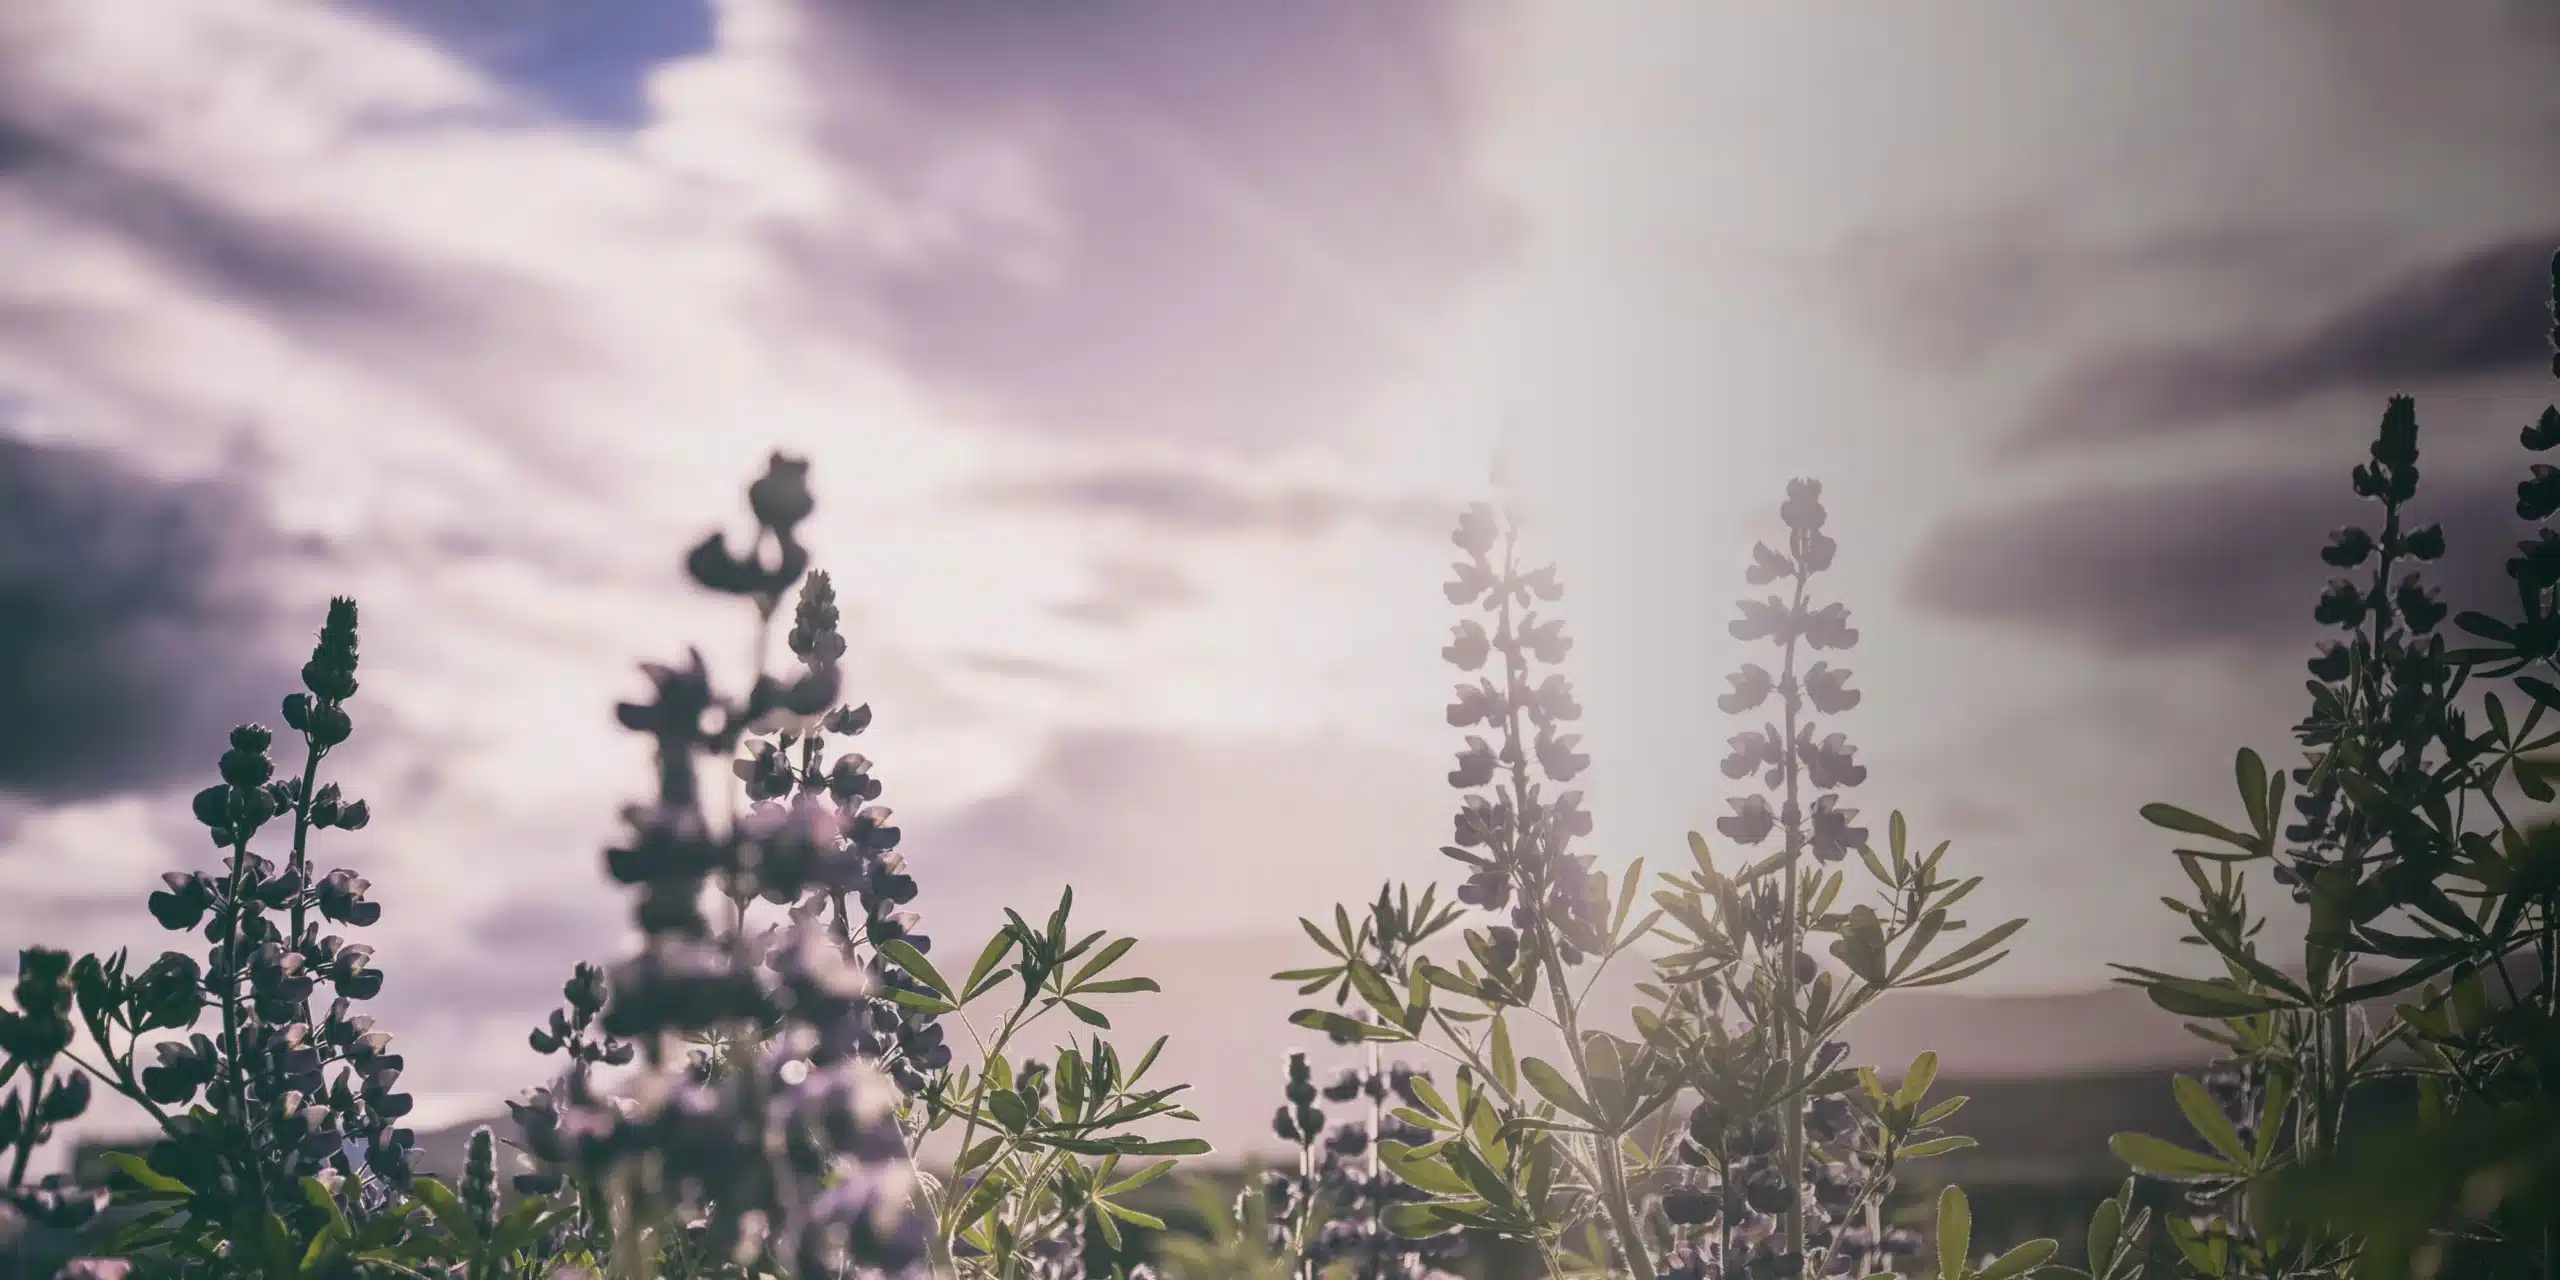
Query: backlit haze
{"points": [[1144, 353]]}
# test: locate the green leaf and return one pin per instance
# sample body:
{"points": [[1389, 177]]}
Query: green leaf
{"points": [[2019, 1261], [2176, 819], [518, 1228], [1506, 1069], [1089, 1017], [448, 1210], [1118, 986], [1936, 973], [1479, 1175], [908, 958], [1416, 1220], [2199, 998], [921, 1002], [2251, 773], [1331, 1023], [1936, 1147], [1102, 960], [1425, 1173], [1010, 1110], [995, 950], [1373, 988], [1916, 1081], [2167, 1159], [2104, 1226], [1323, 942], [2210, 1124], [1955, 1232], [1132, 1216], [1551, 1084], [148, 1178], [1140, 1178], [1162, 1147]]}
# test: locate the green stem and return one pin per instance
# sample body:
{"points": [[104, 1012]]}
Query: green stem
{"points": [[1791, 1045], [1610, 1161]]}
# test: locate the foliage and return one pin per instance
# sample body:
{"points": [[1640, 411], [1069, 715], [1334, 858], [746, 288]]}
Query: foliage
{"points": [[1727, 1135], [745, 1096], [748, 1095], [2431, 887]]}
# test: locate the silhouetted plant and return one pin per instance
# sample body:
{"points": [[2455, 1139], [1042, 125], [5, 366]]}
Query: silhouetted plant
{"points": [[1784, 1155], [279, 1138], [2425, 880], [1331, 1212], [814, 1058]]}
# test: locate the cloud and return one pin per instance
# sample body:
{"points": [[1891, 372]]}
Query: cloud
{"points": [[2229, 561], [129, 639], [298, 271], [1125, 590], [2482, 314], [1176, 834], [1219, 224], [1956, 293], [1197, 502]]}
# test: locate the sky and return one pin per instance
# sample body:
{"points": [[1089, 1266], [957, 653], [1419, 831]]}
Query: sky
{"points": [[1144, 352]]}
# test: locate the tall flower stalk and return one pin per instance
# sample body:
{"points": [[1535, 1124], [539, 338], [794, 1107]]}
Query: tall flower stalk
{"points": [[1787, 1151]]}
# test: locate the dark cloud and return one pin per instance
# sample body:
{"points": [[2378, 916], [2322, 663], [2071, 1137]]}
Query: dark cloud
{"points": [[1194, 502], [1957, 293], [587, 60], [1123, 591], [128, 641], [1244, 210], [2482, 314], [2230, 561]]}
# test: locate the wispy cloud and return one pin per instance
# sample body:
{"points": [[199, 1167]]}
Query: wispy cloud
{"points": [[2483, 314], [2228, 560], [1202, 502]]}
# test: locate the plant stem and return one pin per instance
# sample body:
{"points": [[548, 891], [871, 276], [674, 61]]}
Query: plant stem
{"points": [[237, 1100], [1791, 1047], [1610, 1161]]}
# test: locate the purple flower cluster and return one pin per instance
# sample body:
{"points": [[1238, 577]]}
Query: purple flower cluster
{"points": [[1800, 755], [2380, 695], [1517, 839], [292, 1095], [1338, 1196], [789, 1147]]}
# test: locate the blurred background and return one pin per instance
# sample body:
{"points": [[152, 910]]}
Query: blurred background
{"points": [[1144, 353]]}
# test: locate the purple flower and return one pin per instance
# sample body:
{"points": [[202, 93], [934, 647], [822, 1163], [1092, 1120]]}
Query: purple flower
{"points": [[1751, 687], [1750, 822], [1467, 647], [1828, 688]]}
